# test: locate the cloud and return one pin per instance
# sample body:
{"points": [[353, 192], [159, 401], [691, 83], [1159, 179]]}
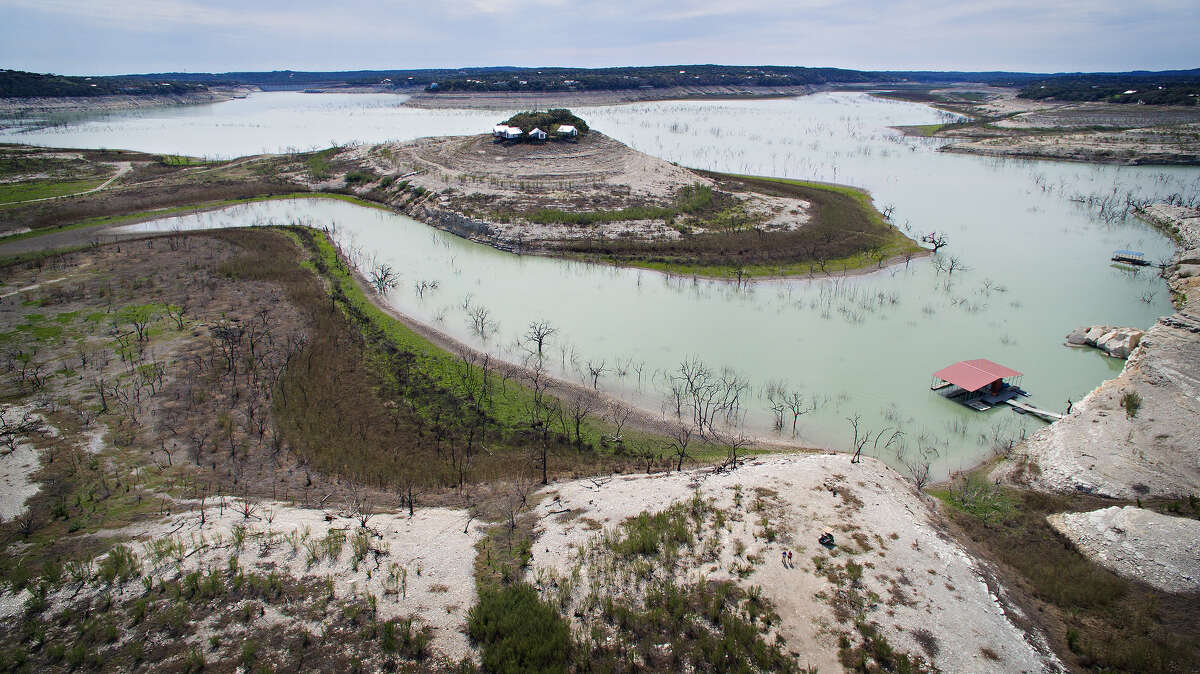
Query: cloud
{"points": [[136, 35], [152, 16]]}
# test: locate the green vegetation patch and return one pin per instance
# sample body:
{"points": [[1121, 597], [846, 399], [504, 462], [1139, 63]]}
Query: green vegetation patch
{"points": [[547, 121], [844, 232], [183, 160], [319, 165], [518, 632], [44, 189]]}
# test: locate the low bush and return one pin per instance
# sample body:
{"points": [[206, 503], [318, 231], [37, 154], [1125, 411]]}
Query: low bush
{"points": [[518, 632], [1131, 402]]}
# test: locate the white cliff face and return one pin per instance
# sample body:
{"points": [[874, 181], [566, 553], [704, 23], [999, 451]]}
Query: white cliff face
{"points": [[1139, 544]]}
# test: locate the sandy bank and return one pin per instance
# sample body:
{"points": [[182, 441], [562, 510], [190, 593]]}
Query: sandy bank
{"points": [[1167, 146]]}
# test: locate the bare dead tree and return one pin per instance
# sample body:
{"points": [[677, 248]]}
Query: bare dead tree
{"points": [[936, 239], [681, 437], [363, 511], [481, 322], [860, 438], [595, 371], [796, 406], [176, 313], [516, 498], [736, 442], [382, 277], [538, 333], [542, 409], [775, 395], [12, 431], [618, 415], [646, 454], [918, 465], [955, 264], [579, 407]]}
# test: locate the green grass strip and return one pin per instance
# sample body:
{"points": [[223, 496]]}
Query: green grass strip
{"points": [[176, 210]]}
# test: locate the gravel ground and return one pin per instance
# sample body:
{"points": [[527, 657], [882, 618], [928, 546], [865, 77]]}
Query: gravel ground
{"points": [[1138, 544], [435, 547], [924, 579], [15, 485]]}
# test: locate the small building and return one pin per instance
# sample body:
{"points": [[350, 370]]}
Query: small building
{"points": [[979, 384], [505, 132], [537, 134], [567, 131]]}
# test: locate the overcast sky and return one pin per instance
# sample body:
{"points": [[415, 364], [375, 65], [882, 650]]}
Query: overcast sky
{"points": [[134, 36]]}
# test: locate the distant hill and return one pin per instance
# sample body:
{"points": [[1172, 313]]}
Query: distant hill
{"points": [[19, 84], [1166, 87], [511, 78], [1170, 87]]}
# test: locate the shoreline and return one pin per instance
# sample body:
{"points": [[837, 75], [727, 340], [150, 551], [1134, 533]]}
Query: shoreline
{"points": [[27, 107], [511, 100], [643, 418], [964, 147]]}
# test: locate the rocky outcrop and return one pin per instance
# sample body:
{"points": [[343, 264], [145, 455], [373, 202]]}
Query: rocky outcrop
{"points": [[1116, 342], [1139, 544], [450, 221], [1182, 222]]}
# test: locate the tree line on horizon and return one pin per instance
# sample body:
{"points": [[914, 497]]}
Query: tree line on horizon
{"points": [[1175, 87], [20, 84]]}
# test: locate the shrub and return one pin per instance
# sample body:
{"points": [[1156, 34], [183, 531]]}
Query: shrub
{"points": [[120, 564], [359, 176], [1132, 402], [518, 632]]}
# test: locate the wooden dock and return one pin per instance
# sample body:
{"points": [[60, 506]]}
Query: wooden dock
{"points": [[1030, 409]]}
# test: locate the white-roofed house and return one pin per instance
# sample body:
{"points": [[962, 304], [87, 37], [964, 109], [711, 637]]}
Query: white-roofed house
{"points": [[566, 131], [537, 134]]}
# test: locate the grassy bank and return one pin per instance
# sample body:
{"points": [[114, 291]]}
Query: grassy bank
{"points": [[43, 189], [845, 233], [424, 417], [141, 216]]}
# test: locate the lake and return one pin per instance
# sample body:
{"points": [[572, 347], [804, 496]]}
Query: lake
{"points": [[1034, 255]]}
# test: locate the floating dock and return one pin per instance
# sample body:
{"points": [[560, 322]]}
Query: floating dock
{"points": [[1026, 408], [1133, 257]]}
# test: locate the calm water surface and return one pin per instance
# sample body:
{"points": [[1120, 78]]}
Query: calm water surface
{"points": [[1035, 257]]}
